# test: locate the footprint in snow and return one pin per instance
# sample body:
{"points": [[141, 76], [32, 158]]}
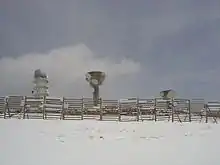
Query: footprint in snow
{"points": [[92, 137], [188, 134], [42, 133], [60, 138], [151, 137], [120, 138]]}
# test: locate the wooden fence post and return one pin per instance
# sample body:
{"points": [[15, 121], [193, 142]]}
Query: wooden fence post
{"points": [[5, 107], [82, 109], [172, 108], [190, 117], [155, 109], [100, 108], [24, 107], [138, 109], [63, 110], [43, 107], [206, 113], [119, 111]]}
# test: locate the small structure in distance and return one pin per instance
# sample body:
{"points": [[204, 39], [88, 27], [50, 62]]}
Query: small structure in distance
{"points": [[95, 79], [168, 94], [40, 84]]}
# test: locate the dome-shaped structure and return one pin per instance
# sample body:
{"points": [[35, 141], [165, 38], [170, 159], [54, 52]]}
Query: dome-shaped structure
{"points": [[168, 94]]}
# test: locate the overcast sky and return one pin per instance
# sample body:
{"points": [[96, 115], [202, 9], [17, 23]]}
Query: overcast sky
{"points": [[144, 46]]}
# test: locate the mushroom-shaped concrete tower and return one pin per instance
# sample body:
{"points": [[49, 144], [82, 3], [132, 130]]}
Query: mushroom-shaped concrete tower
{"points": [[95, 79]]}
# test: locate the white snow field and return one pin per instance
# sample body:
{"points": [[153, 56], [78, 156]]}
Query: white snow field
{"points": [[58, 142]]}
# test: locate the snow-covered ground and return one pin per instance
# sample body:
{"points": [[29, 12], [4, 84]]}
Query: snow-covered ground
{"points": [[40, 142]]}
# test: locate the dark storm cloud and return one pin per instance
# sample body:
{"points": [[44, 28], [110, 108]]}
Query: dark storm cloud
{"points": [[175, 42]]}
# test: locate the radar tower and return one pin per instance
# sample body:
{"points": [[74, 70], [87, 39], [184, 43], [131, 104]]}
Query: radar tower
{"points": [[40, 84]]}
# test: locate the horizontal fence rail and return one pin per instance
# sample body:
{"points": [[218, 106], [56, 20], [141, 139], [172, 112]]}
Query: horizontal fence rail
{"points": [[129, 109]]}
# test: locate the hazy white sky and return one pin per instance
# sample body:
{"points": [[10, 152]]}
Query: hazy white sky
{"points": [[144, 46]]}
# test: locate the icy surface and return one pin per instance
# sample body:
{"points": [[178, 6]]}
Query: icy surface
{"points": [[40, 142]]}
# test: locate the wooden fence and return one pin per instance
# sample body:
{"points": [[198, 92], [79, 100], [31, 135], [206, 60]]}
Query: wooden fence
{"points": [[130, 109]]}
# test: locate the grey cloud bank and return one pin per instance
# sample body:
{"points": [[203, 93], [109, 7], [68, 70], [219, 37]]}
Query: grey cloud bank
{"points": [[144, 46]]}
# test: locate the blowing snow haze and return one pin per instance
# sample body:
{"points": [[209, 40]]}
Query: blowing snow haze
{"points": [[143, 46]]}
